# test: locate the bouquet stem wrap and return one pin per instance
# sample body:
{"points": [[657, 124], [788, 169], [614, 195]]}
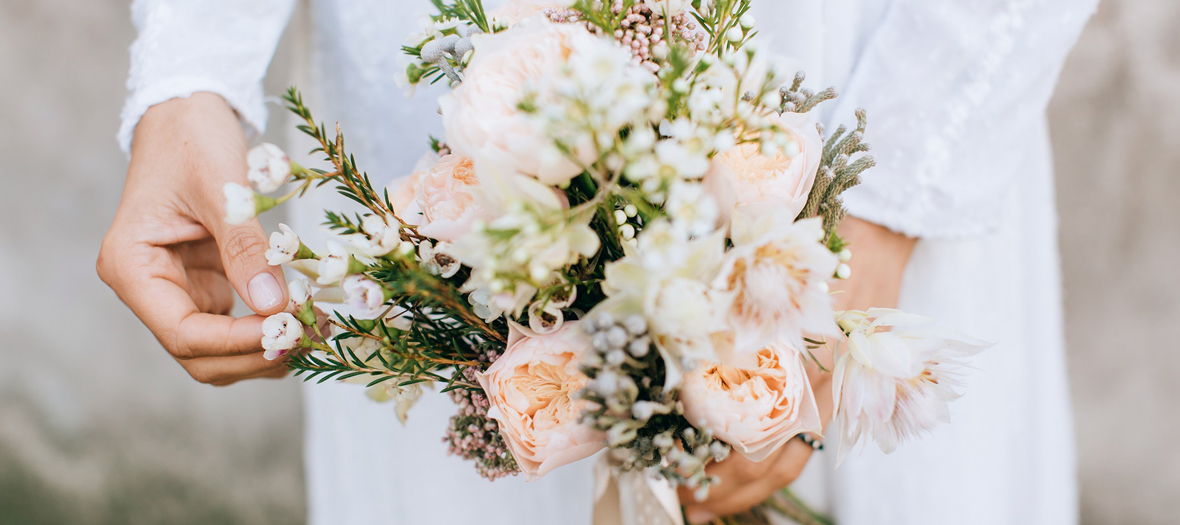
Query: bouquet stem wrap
{"points": [[633, 497]]}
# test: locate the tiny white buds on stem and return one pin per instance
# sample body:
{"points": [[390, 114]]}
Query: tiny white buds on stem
{"points": [[843, 271], [823, 287], [301, 305], [630, 210], [735, 34], [845, 255], [405, 248], [627, 231], [282, 333], [269, 167], [747, 21], [620, 217]]}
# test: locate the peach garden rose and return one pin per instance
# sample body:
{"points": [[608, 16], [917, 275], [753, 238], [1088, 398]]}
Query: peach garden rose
{"points": [[531, 389], [743, 175], [754, 409]]}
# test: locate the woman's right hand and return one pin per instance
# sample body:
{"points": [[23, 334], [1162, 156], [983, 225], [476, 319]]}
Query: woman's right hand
{"points": [[174, 260]]}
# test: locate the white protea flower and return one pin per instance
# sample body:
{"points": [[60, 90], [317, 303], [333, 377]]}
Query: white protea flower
{"points": [[281, 333], [774, 282], [284, 245], [379, 235], [269, 167], [242, 204], [896, 378], [364, 293]]}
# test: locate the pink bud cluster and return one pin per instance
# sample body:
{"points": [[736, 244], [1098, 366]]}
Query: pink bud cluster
{"points": [[642, 31], [473, 436]]}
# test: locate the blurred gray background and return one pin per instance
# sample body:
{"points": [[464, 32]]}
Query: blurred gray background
{"points": [[98, 425]]}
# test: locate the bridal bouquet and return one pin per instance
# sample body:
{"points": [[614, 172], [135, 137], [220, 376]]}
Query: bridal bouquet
{"points": [[624, 240]]}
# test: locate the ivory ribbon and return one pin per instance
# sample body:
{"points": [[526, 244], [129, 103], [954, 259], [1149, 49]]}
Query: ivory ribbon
{"points": [[633, 497]]}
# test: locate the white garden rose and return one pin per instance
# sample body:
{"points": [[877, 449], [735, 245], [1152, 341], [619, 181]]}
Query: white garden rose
{"points": [[482, 117]]}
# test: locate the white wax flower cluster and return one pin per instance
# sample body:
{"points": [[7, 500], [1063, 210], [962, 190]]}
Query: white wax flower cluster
{"points": [[268, 168]]}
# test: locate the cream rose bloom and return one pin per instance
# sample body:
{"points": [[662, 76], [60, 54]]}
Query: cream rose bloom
{"points": [[531, 389], [482, 117], [757, 409], [445, 200], [743, 175]]}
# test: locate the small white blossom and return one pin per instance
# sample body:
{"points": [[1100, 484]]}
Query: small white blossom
{"points": [[240, 204], [691, 209], [545, 320], [335, 265], [363, 293], [281, 333], [380, 235], [284, 244], [403, 397], [269, 167], [436, 260], [299, 290]]}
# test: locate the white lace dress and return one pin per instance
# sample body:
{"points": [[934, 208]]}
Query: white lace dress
{"points": [[956, 93]]}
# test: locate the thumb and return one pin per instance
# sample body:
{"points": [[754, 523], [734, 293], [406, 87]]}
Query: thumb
{"points": [[243, 254]]}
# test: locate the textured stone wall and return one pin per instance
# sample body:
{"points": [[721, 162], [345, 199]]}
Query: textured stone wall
{"points": [[1116, 139], [98, 425]]}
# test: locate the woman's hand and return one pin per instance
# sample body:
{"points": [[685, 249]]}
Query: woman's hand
{"points": [[880, 257], [172, 258]]}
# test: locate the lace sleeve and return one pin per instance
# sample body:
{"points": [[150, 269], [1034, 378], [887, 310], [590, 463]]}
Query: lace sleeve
{"points": [[220, 46], [953, 90]]}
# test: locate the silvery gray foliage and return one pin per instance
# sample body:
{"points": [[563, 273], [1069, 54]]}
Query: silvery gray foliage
{"points": [[644, 423]]}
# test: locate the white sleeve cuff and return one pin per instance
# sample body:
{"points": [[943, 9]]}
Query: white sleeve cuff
{"points": [[249, 105]]}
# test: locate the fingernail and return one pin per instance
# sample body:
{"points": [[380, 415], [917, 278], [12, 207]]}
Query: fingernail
{"points": [[700, 516], [265, 292]]}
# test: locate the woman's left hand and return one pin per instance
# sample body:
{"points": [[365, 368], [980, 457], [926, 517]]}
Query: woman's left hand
{"points": [[881, 257]]}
